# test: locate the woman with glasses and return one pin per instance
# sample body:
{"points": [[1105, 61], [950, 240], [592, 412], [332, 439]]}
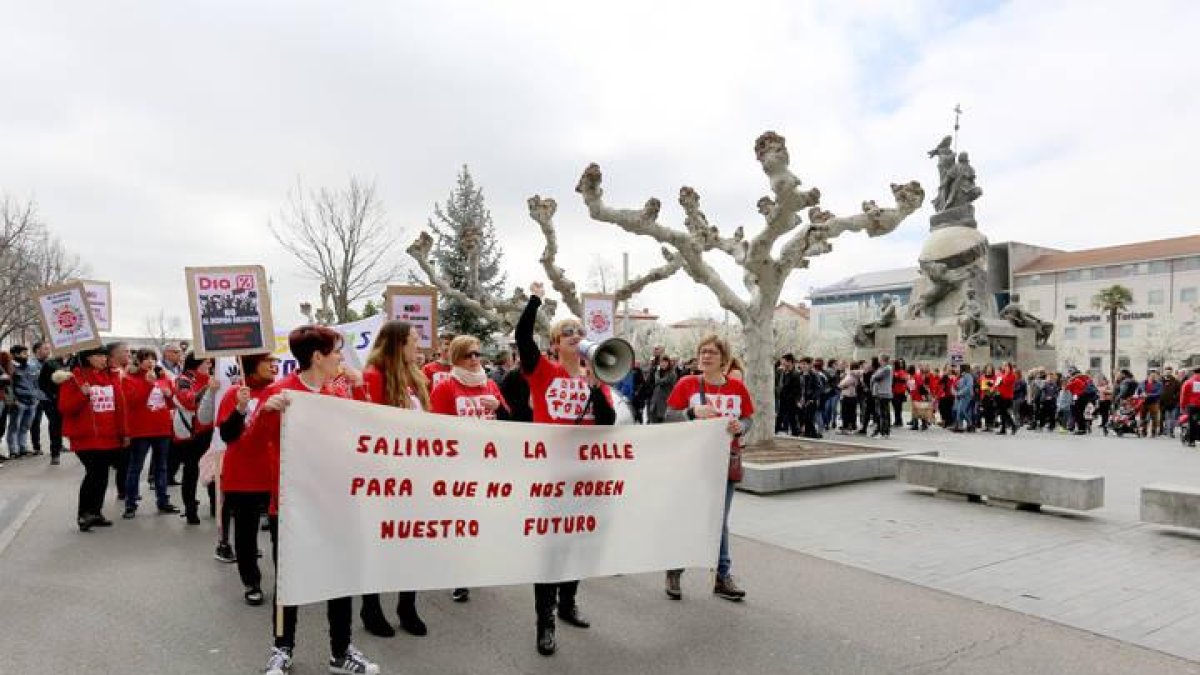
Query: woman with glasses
{"points": [[393, 377], [712, 394], [551, 388]]}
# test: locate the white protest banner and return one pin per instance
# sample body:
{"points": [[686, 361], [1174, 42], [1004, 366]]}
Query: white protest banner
{"points": [[416, 305], [230, 309], [375, 498], [357, 338], [66, 319], [599, 316], [99, 295]]}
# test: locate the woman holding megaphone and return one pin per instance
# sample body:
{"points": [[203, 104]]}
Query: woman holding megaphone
{"points": [[548, 381]]}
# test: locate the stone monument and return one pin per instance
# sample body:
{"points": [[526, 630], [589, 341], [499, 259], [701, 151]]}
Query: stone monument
{"points": [[952, 313]]}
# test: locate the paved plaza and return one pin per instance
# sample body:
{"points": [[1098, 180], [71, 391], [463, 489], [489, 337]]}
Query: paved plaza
{"points": [[864, 578]]}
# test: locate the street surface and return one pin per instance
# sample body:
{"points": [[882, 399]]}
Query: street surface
{"points": [[146, 596]]}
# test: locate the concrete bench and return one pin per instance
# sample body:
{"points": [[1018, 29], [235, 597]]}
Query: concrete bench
{"points": [[1176, 505], [768, 478], [1008, 486]]}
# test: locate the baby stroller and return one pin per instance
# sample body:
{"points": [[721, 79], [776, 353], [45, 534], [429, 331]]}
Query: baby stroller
{"points": [[1125, 419]]}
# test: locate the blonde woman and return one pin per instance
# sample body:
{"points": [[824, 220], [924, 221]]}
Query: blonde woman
{"points": [[392, 377]]}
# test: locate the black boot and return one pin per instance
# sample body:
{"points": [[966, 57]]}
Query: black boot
{"points": [[571, 614], [546, 644], [373, 619], [410, 621]]}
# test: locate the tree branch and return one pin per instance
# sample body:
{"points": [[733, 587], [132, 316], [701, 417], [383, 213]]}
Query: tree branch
{"points": [[542, 211], [782, 212]]}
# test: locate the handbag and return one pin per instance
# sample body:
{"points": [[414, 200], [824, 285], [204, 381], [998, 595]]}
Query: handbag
{"points": [[736, 470]]}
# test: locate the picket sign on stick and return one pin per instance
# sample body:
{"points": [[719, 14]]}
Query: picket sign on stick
{"points": [[375, 498], [416, 305], [99, 295], [230, 310], [66, 318], [599, 316]]}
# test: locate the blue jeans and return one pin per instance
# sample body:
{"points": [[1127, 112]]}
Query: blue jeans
{"points": [[138, 449], [724, 562], [829, 411], [962, 412], [1170, 421], [20, 419]]}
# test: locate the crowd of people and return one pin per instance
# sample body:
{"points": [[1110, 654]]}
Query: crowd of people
{"points": [[120, 411], [814, 396]]}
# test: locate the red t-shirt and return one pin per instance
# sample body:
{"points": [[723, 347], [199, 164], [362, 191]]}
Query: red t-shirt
{"points": [[731, 399], [436, 373], [452, 397], [559, 398]]}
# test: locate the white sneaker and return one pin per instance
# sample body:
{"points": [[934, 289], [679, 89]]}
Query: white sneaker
{"points": [[280, 661], [353, 663]]}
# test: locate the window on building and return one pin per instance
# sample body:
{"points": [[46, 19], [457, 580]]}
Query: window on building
{"points": [[1096, 332], [1128, 270], [1155, 297], [1069, 333], [1086, 275], [1096, 363], [1154, 363], [1143, 268], [1122, 361], [1160, 267], [1035, 306], [1187, 294], [1070, 303], [1072, 275], [1125, 330]]}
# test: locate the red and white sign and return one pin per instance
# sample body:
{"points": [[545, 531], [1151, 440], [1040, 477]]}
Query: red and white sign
{"points": [[66, 318], [375, 498], [416, 305], [230, 309], [599, 316]]}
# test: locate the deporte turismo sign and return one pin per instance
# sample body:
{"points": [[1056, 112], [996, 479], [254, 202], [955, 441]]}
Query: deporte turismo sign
{"points": [[1097, 318]]}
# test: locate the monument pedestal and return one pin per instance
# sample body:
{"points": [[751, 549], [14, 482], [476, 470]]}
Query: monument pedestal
{"points": [[929, 341]]}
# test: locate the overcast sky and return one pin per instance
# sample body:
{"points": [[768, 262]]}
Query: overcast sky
{"points": [[159, 135]]}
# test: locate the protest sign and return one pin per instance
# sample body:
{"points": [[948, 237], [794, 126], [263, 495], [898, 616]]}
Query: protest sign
{"points": [[375, 498], [66, 318], [230, 310], [599, 316], [416, 305], [99, 295]]}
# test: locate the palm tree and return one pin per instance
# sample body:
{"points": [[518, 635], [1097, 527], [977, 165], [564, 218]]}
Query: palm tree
{"points": [[1113, 300]]}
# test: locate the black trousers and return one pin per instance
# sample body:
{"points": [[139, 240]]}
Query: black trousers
{"points": [[1193, 412], [339, 611], [189, 453], [883, 416], [898, 410], [1078, 407], [787, 418], [548, 597], [35, 427], [849, 413], [120, 465], [54, 421], [245, 508], [808, 419], [406, 603], [946, 410], [96, 464], [1004, 412]]}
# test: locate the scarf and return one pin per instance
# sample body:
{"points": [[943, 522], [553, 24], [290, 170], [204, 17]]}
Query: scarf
{"points": [[469, 378]]}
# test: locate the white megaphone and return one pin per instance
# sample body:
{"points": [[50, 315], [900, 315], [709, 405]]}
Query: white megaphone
{"points": [[610, 360]]}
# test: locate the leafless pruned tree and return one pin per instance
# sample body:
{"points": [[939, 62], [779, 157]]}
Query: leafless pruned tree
{"points": [[30, 258], [341, 238]]}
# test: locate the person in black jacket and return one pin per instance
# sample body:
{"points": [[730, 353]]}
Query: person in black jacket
{"points": [[811, 392], [787, 417], [50, 405], [545, 378]]}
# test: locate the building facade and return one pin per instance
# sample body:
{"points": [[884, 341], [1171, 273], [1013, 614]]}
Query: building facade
{"points": [[1160, 328]]}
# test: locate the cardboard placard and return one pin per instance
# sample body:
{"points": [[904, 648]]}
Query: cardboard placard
{"points": [[599, 316], [99, 295], [230, 310], [66, 318], [416, 305]]}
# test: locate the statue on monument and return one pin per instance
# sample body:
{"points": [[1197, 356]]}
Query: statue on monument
{"points": [[972, 330], [865, 335], [1015, 314]]}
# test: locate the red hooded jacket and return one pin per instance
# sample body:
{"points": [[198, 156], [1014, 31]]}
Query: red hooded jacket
{"points": [[1189, 393], [95, 421], [149, 406]]}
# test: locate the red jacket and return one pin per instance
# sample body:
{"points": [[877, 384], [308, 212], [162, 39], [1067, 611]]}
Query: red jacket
{"points": [[95, 421], [255, 453], [1189, 393], [189, 388], [915, 384], [900, 383], [1077, 384], [149, 405], [1005, 384], [373, 381]]}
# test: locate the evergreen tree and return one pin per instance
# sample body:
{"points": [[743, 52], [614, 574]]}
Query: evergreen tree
{"points": [[465, 213]]}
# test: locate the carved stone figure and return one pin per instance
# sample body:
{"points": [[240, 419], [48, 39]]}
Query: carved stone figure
{"points": [[963, 190], [945, 164], [1015, 314], [971, 328], [865, 335]]}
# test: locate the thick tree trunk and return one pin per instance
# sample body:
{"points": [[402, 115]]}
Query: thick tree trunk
{"points": [[760, 376]]}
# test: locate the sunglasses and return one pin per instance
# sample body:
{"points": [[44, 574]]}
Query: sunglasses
{"points": [[572, 331]]}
